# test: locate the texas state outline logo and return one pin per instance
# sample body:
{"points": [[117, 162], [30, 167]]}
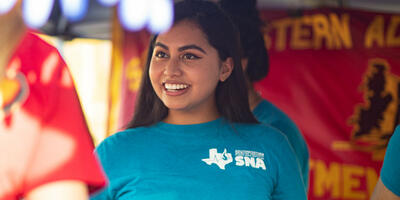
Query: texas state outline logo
{"points": [[243, 158]]}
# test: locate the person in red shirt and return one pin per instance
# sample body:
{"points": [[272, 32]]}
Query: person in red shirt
{"points": [[46, 151]]}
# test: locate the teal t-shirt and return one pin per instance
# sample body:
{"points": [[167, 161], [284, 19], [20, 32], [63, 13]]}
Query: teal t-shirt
{"points": [[213, 160], [269, 114], [390, 172]]}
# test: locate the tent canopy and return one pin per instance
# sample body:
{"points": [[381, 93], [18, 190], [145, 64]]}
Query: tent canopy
{"points": [[98, 20]]}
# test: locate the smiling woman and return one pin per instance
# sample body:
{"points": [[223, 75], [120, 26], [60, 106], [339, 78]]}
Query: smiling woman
{"points": [[193, 135], [196, 54], [184, 71]]}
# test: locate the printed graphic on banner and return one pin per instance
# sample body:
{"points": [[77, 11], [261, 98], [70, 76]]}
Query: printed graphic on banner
{"points": [[342, 181], [134, 73], [374, 122], [336, 73]]}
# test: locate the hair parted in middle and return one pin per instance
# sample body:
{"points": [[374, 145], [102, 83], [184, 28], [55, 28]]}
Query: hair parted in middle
{"points": [[231, 95]]}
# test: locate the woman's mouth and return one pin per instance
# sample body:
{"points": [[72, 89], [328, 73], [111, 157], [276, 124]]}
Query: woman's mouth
{"points": [[175, 89]]}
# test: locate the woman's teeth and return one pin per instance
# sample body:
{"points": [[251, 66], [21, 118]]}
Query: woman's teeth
{"points": [[169, 86]]}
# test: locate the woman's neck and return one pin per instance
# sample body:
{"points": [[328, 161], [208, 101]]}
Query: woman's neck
{"points": [[254, 97], [191, 117]]}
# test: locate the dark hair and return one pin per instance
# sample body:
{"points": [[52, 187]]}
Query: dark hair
{"points": [[245, 15], [231, 95]]}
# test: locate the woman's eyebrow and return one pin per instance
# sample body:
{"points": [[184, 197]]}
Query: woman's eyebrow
{"points": [[183, 48], [191, 46], [161, 45]]}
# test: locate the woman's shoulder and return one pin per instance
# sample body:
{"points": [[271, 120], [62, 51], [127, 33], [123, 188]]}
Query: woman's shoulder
{"points": [[261, 132], [124, 137]]}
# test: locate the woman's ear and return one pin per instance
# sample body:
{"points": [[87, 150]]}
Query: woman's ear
{"points": [[226, 69]]}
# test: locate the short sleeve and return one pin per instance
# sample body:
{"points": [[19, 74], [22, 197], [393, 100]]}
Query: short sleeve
{"points": [[101, 152], [269, 114], [298, 143], [390, 172], [289, 182]]}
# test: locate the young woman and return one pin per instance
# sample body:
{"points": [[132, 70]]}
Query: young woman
{"points": [[255, 63], [193, 135]]}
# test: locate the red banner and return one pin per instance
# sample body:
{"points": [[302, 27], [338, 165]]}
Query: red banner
{"points": [[336, 73], [129, 54]]}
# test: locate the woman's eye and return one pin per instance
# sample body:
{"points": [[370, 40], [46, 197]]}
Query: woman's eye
{"points": [[189, 56], [161, 54]]}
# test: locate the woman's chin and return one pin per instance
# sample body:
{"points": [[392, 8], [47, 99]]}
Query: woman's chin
{"points": [[177, 108]]}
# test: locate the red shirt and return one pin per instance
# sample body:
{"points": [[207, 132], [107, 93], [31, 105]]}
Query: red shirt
{"points": [[43, 133]]}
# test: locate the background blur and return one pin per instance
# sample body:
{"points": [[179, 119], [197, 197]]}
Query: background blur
{"points": [[335, 70]]}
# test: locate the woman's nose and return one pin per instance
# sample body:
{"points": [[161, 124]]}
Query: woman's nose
{"points": [[172, 67]]}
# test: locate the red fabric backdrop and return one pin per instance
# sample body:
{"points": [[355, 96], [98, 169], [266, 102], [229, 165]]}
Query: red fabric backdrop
{"points": [[336, 74], [128, 58]]}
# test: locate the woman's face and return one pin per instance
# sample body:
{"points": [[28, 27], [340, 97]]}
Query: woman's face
{"points": [[185, 69]]}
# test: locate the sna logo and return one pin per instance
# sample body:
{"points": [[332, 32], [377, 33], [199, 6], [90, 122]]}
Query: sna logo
{"points": [[375, 120], [243, 158]]}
